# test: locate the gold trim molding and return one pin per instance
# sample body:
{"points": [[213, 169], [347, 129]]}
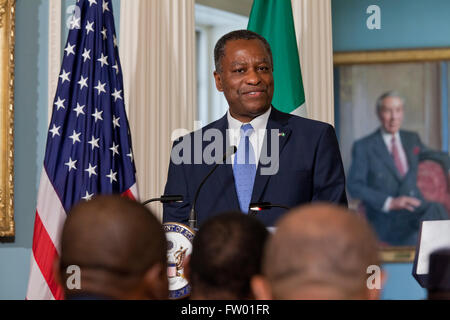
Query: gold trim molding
{"points": [[7, 41], [391, 56], [398, 254], [3, 10]]}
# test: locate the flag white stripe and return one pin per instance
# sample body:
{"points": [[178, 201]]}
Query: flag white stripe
{"points": [[37, 285], [133, 189], [50, 210], [301, 111]]}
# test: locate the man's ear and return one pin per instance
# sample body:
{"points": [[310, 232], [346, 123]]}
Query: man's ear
{"points": [[218, 79], [156, 282], [261, 288]]}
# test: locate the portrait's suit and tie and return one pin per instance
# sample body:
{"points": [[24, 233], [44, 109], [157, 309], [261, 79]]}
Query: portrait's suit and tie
{"points": [[308, 158], [383, 175]]}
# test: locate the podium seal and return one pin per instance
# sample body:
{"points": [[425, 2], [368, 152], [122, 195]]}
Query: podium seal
{"points": [[179, 246]]}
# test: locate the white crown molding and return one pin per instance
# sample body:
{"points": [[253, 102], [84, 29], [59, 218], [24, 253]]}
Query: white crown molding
{"points": [[208, 16]]}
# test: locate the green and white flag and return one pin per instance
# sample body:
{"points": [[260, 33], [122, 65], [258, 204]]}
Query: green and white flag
{"points": [[273, 20]]}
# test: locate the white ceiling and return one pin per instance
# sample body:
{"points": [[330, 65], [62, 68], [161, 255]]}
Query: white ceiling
{"points": [[241, 7]]}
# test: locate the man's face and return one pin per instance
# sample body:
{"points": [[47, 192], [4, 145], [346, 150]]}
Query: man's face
{"points": [[246, 79], [391, 114]]}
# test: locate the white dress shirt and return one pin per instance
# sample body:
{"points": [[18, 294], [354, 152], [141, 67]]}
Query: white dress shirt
{"points": [[259, 125], [387, 138]]}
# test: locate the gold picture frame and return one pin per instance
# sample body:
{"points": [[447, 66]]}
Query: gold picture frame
{"points": [[7, 41], [392, 254], [391, 56]]}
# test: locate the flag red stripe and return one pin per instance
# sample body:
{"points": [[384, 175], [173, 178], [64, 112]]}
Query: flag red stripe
{"points": [[45, 253], [128, 194]]}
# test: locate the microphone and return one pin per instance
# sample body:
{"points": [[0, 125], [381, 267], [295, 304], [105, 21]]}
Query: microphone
{"points": [[165, 199], [261, 206], [193, 216]]}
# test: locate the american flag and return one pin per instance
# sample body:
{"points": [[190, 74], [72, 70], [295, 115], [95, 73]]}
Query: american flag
{"points": [[89, 148]]}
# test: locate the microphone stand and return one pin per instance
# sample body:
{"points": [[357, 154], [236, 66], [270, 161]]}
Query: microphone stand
{"points": [[165, 199], [192, 214]]}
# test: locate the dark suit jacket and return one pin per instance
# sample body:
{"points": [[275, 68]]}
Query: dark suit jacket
{"points": [[310, 169], [373, 178]]}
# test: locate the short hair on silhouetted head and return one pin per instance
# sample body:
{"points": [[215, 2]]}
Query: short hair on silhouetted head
{"points": [[219, 50], [227, 252], [114, 241]]}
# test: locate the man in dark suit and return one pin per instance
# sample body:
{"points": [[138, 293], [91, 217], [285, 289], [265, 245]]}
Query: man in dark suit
{"points": [[281, 158], [383, 175]]}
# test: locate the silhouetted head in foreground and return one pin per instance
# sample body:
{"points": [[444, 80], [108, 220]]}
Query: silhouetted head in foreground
{"points": [[320, 252], [226, 253], [119, 247]]}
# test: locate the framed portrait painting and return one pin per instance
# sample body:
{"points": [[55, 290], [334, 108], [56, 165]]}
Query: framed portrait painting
{"points": [[420, 78]]}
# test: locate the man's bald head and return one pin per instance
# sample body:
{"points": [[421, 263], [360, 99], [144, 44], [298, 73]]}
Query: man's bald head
{"points": [[114, 241], [320, 252]]}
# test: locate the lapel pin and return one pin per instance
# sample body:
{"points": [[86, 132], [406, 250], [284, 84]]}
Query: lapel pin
{"points": [[282, 134]]}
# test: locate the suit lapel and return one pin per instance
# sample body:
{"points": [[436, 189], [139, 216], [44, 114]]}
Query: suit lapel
{"points": [[277, 121], [384, 154]]}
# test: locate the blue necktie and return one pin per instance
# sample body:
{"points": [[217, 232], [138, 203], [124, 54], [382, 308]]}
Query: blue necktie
{"points": [[244, 168]]}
